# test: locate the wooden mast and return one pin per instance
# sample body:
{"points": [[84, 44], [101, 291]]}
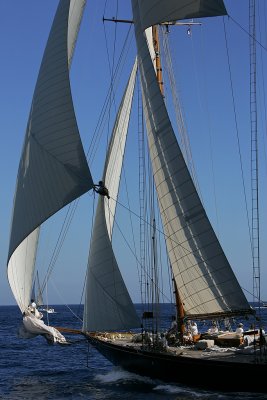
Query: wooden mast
{"points": [[155, 36], [180, 312]]}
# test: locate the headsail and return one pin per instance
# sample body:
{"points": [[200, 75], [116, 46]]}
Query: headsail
{"points": [[108, 305], [204, 278], [53, 170]]}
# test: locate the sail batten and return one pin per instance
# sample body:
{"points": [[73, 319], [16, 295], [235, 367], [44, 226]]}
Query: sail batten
{"points": [[53, 170], [202, 273], [108, 305]]}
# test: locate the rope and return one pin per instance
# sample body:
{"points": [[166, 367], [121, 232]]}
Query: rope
{"points": [[237, 134], [243, 29]]}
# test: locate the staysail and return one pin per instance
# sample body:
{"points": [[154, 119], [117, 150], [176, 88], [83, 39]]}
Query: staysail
{"points": [[53, 170], [108, 305], [203, 276]]}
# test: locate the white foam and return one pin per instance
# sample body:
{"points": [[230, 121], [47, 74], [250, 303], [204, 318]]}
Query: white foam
{"points": [[118, 374]]}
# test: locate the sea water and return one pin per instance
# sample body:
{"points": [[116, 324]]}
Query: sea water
{"points": [[32, 369]]}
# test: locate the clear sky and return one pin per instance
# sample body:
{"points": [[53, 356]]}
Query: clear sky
{"points": [[203, 79]]}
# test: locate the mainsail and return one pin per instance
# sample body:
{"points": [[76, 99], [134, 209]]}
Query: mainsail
{"points": [[108, 305], [203, 276], [53, 170]]}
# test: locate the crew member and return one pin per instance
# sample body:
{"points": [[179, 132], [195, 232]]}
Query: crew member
{"points": [[101, 189]]}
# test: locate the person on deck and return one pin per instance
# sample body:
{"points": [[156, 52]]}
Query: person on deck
{"points": [[191, 331], [214, 328], [240, 330], [101, 189], [194, 329]]}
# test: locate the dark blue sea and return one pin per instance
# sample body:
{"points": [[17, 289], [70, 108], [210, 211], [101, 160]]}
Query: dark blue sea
{"points": [[32, 369]]}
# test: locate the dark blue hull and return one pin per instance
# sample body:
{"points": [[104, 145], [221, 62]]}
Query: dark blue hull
{"points": [[198, 372]]}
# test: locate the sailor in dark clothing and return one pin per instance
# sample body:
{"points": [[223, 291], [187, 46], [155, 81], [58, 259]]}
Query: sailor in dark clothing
{"points": [[101, 189]]}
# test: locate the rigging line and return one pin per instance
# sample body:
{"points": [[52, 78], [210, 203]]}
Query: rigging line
{"points": [[62, 235], [47, 316], [128, 200], [264, 123], [59, 244], [120, 65], [169, 269], [166, 236], [237, 133], [115, 286], [251, 294], [155, 251], [56, 246], [160, 231], [65, 304], [141, 181], [240, 26], [126, 241], [87, 265], [161, 257], [180, 120], [210, 136], [150, 227], [111, 71]]}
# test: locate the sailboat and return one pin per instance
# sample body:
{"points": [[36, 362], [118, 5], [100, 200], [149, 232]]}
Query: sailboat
{"points": [[204, 284]]}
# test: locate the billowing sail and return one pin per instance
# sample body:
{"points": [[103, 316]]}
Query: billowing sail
{"points": [[108, 305], [153, 12], [53, 170], [205, 280]]}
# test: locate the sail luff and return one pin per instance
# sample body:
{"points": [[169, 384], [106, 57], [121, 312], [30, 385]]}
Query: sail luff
{"points": [[20, 270], [204, 278], [53, 170], [108, 305]]}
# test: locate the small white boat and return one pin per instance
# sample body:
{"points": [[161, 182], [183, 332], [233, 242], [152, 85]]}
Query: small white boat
{"points": [[48, 310]]}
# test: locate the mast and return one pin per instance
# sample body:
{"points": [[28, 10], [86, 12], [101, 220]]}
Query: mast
{"points": [[155, 36], [180, 311]]}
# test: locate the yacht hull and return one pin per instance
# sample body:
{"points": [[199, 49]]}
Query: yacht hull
{"points": [[197, 371]]}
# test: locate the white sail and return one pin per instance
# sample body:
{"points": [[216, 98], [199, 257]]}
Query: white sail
{"points": [[153, 12], [203, 276], [108, 305], [53, 170], [21, 269]]}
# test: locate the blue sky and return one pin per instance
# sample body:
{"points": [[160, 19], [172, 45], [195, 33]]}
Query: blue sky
{"points": [[203, 80]]}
